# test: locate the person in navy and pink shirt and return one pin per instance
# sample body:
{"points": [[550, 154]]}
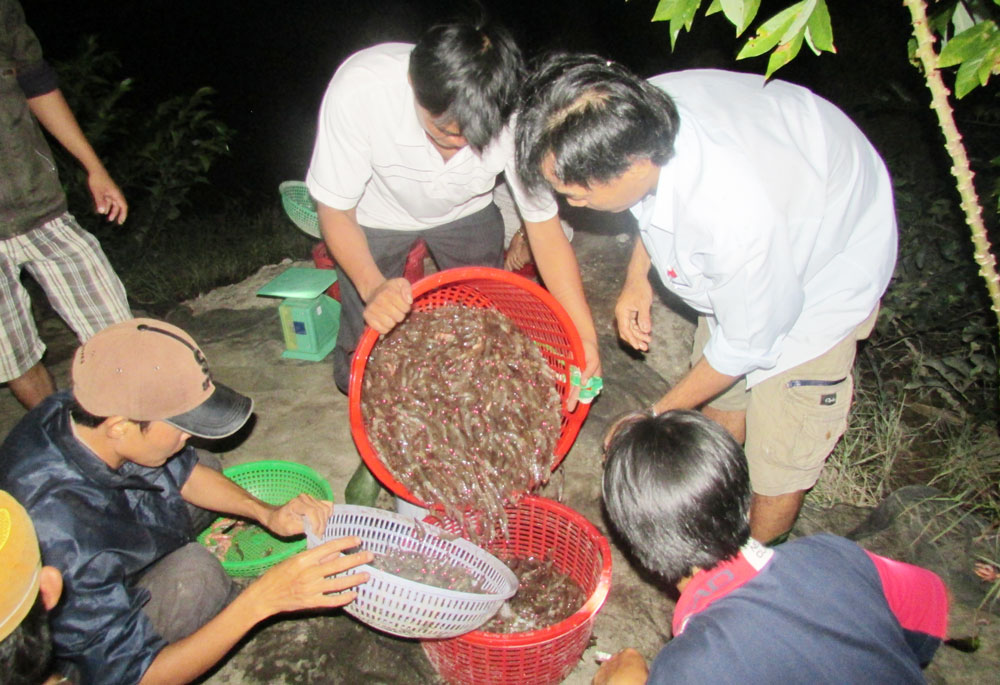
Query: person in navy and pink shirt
{"points": [[818, 609]]}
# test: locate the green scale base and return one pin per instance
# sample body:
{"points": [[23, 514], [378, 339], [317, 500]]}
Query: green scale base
{"points": [[309, 318]]}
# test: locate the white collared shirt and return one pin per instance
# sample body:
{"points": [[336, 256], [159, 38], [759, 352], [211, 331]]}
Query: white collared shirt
{"points": [[371, 152], [774, 217]]}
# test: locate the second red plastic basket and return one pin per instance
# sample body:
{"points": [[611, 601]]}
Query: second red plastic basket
{"points": [[543, 529]]}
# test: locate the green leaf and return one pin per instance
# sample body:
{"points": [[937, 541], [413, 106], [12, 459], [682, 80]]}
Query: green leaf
{"points": [[739, 12], [990, 63], [667, 10], [939, 20], [911, 53], [767, 35], [779, 29], [733, 9], [804, 11], [784, 54], [961, 18], [819, 31], [967, 45], [680, 14], [977, 52], [967, 78]]}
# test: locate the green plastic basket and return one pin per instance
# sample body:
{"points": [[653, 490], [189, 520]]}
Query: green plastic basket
{"points": [[300, 207], [254, 549]]}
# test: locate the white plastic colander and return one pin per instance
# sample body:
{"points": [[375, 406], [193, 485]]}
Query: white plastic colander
{"points": [[407, 608]]}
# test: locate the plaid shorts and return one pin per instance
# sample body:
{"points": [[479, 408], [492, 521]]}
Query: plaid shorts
{"points": [[77, 278]]}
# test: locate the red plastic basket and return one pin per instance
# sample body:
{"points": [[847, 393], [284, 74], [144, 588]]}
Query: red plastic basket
{"points": [[540, 528], [527, 304]]}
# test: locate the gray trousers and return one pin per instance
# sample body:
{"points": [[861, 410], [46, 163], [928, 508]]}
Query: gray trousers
{"points": [[475, 240], [188, 586]]}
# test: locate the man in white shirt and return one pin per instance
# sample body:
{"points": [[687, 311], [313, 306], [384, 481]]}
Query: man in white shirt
{"points": [[410, 142], [765, 209]]}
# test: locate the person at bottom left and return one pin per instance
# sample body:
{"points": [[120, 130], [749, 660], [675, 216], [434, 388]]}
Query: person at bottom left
{"points": [[105, 473]]}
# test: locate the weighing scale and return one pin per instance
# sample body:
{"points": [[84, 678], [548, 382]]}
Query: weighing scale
{"points": [[309, 317]]}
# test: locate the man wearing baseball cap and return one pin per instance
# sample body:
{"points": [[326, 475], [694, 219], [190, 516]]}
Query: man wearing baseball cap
{"points": [[104, 471], [27, 591]]}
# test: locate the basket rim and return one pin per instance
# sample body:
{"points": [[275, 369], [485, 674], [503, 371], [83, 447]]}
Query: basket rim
{"points": [[278, 465], [584, 614], [295, 546], [288, 191], [305, 217], [445, 593], [426, 285], [441, 533]]}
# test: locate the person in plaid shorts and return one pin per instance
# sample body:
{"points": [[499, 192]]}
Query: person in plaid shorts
{"points": [[37, 232]]}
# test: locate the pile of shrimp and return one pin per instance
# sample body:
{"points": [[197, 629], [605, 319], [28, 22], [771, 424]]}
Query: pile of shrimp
{"points": [[545, 596], [462, 408], [440, 572]]}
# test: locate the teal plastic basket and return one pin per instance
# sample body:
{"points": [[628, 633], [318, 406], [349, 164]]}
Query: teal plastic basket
{"points": [[254, 549], [300, 207]]}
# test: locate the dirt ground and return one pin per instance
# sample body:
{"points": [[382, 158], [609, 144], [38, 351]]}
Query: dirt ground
{"points": [[300, 416]]}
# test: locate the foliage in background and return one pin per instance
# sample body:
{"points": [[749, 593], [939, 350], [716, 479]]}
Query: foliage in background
{"points": [[961, 168], [783, 35], [206, 250], [935, 333], [970, 41], [158, 157], [860, 470], [180, 238]]}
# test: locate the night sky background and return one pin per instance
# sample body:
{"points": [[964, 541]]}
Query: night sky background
{"points": [[270, 60]]}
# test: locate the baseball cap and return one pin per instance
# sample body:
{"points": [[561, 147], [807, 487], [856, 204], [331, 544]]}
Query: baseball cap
{"points": [[149, 370], [20, 564]]}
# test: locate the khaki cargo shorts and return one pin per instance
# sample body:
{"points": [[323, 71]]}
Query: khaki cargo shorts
{"points": [[793, 419]]}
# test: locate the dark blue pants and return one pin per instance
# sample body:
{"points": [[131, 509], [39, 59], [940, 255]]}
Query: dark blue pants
{"points": [[188, 587]]}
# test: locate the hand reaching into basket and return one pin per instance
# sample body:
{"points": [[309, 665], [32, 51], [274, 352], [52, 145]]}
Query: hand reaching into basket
{"points": [[388, 304], [288, 519], [308, 580], [518, 252]]}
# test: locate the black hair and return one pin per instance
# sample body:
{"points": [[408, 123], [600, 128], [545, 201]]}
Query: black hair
{"points": [[84, 418], [676, 486], [468, 74], [26, 654], [594, 116]]}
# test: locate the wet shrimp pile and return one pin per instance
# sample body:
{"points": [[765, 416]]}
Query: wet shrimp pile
{"points": [[440, 572], [462, 408], [545, 596]]}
